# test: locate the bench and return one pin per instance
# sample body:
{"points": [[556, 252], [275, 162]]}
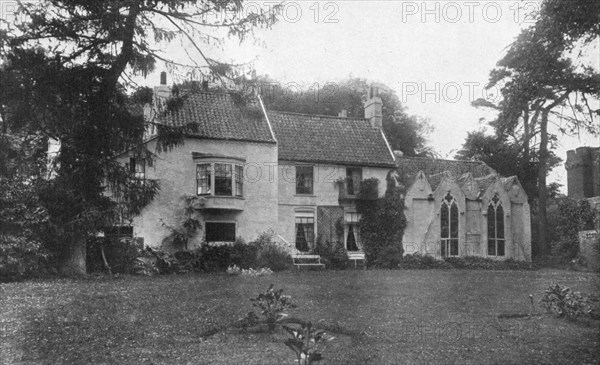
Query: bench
{"points": [[307, 260], [356, 256]]}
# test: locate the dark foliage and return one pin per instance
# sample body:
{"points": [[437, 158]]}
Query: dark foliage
{"points": [[382, 220], [333, 254]]}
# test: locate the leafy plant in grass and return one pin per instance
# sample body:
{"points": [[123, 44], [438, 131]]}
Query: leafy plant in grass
{"points": [[273, 306], [305, 341], [563, 302]]}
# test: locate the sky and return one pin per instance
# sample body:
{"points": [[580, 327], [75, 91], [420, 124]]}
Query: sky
{"points": [[436, 55]]}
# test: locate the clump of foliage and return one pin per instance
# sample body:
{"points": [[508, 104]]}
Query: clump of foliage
{"points": [[420, 261], [382, 220], [115, 254], [180, 235], [566, 217], [273, 307], [333, 254], [21, 258], [305, 340], [270, 254], [563, 302], [235, 270]]}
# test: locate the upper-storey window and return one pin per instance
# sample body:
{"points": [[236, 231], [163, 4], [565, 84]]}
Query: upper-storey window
{"points": [[137, 166], [495, 221], [304, 180], [217, 178], [353, 179]]}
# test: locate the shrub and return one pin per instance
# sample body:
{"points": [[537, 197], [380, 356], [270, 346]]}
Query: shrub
{"points": [[274, 257], [243, 255], [21, 258], [214, 258], [389, 257], [457, 262], [419, 261], [334, 254], [120, 253], [561, 301]]}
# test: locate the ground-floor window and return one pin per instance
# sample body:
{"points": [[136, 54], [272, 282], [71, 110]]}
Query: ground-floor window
{"points": [[351, 233], [219, 231], [449, 226], [305, 230], [495, 220], [118, 231]]}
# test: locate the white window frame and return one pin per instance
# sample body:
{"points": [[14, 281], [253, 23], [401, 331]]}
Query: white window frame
{"points": [[347, 224], [212, 186]]}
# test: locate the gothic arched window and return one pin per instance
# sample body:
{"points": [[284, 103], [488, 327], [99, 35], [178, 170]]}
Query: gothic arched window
{"points": [[495, 223], [449, 226]]}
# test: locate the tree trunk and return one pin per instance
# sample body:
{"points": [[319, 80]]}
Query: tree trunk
{"points": [[73, 258], [543, 247]]}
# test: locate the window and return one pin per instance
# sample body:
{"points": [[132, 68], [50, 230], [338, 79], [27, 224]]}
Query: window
{"points": [[353, 179], [449, 226], [223, 177], [137, 166], [239, 180], [118, 231], [218, 179], [304, 180], [495, 221], [305, 230], [351, 233], [219, 232], [203, 177]]}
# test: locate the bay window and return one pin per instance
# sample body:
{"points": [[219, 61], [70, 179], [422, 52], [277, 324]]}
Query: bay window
{"points": [[216, 178]]}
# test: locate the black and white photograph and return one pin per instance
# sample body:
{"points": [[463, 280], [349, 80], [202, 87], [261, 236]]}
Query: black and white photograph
{"points": [[299, 182]]}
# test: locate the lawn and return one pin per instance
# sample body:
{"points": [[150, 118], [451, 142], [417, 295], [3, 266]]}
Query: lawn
{"points": [[377, 317]]}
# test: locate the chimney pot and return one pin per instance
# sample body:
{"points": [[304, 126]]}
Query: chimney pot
{"points": [[163, 78]]}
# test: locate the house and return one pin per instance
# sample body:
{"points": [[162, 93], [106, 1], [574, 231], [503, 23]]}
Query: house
{"points": [[255, 170]]}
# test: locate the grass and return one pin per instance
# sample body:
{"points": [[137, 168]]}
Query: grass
{"points": [[377, 317]]}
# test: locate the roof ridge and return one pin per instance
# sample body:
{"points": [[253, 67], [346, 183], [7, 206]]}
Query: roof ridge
{"points": [[316, 115], [440, 159]]}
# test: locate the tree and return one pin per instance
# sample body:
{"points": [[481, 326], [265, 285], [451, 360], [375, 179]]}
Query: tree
{"points": [[64, 76], [406, 133], [540, 80], [506, 156]]}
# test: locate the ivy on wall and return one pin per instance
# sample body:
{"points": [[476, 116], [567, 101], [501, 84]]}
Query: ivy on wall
{"points": [[382, 222]]}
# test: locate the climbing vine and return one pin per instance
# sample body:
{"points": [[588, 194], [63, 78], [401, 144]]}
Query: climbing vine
{"points": [[382, 222]]}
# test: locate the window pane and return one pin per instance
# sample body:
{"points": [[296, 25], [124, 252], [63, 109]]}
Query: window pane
{"points": [[351, 241], [500, 247], [220, 232], [444, 222], [491, 221], [444, 244], [499, 222], [239, 180], [454, 247], [304, 179], [353, 178], [454, 220], [492, 246], [203, 173], [223, 177]]}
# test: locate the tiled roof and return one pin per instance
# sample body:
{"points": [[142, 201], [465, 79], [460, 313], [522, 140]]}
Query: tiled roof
{"points": [[326, 139], [437, 169], [218, 117]]}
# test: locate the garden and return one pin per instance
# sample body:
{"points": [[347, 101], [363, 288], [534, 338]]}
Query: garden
{"points": [[438, 316]]}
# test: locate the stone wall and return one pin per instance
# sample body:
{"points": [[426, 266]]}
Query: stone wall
{"points": [[589, 248]]}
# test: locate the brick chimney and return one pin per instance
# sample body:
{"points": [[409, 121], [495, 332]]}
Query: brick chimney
{"points": [[374, 108]]}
